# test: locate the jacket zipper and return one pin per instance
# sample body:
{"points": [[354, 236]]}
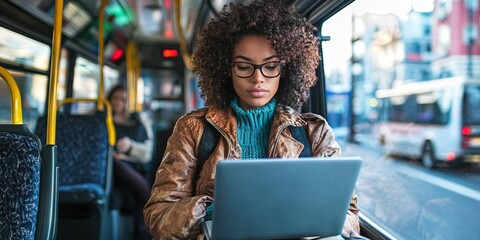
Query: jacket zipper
{"points": [[281, 128]]}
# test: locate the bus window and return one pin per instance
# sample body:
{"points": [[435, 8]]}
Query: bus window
{"points": [[28, 61], [471, 99], [111, 78], [165, 95], [85, 83], [19, 49], [432, 107], [62, 75], [33, 88], [412, 85], [86, 79]]}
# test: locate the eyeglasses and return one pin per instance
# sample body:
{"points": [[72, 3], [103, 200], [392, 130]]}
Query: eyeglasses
{"points": [[268, 69]]}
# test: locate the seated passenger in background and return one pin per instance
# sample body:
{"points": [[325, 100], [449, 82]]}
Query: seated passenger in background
{"points": [[256, 64], [134, 134], [133, 149]]}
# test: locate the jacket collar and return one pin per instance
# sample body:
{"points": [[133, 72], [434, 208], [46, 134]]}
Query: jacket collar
{"points": [[224, 120], [285, 115]]}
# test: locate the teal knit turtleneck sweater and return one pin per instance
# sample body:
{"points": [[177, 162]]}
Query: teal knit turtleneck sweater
{"points": [[253, 128]]}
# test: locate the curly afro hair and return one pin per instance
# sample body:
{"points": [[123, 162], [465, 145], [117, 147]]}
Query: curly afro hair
{"points": [[290, 34]]}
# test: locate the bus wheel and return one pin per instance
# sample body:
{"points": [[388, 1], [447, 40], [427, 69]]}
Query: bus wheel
{"points": [[428, 156]]}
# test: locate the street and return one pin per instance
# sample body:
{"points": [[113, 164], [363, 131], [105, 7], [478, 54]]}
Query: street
{"points": [[413, 202]]}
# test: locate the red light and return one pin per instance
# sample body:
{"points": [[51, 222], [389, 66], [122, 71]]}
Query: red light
{"points": [[167, 3], [466, 130], [168, 33], [117, 54], [450, 156], [170, 53]]}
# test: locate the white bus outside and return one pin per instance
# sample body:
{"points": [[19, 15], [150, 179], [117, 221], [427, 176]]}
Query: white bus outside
{"points": [[437, 120]]}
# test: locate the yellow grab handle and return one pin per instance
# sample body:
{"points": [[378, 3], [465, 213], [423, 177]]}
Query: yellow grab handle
{"points": [[15, 97], [108, 120]]}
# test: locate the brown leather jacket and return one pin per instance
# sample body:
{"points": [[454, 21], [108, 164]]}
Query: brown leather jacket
{"points": [[174, 211]]}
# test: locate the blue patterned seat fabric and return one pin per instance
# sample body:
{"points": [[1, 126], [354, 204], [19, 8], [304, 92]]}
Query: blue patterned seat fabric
{"points": [[19, 184], [82, 152]]}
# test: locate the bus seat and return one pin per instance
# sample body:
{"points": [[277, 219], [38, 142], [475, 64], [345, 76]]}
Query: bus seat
{"points": [[20, 181], [85, 172], [21, 172]]}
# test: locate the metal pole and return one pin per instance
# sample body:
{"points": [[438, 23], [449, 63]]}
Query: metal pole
{"points": [[470, 43], [351, 122]]}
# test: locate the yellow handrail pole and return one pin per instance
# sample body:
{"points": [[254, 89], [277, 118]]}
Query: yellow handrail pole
{"points": [[48, 202], [130, 76], [134, 77], [101, 46], [132, 67], [131, 96], [181, 38], [108, 119], [138, 106], [15, 97], [54, 69]]}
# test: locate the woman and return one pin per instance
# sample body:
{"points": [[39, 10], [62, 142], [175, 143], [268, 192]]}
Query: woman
{"points": [[256, 64], [133, 149], [134, 137]]}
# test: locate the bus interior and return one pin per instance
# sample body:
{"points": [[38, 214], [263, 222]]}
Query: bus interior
{"points": [[146, 45]]}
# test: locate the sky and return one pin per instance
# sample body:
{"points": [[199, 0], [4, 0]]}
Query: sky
{"points": [[397, 7]]}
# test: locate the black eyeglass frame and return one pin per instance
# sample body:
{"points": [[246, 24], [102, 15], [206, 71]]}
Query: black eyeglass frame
{"points": [[259, 66]]}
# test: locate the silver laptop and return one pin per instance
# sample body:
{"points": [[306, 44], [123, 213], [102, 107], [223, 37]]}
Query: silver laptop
{"points": [[281, 198]]}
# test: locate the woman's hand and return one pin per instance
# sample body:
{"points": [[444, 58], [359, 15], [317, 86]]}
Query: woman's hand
{"points": [[349, 232], [123, 145]]}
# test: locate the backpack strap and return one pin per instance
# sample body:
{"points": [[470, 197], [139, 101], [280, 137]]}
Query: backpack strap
{"points": [[208, 142], [300, 135]]}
